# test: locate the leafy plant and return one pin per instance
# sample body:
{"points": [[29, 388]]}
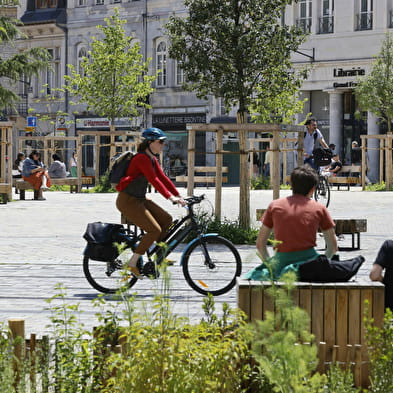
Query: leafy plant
{"points": [[379, 340], [340, 381], [104, 185], [376, 187], [260, 183], [283, 346]]}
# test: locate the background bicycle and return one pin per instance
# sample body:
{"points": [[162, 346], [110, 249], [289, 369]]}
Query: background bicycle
{"points": [[210, 263]]}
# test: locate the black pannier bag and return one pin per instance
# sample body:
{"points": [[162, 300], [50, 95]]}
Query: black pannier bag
{"points": [[100, 239], [322, 157]]}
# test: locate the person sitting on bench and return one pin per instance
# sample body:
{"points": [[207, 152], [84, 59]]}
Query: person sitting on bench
{"points": [[57, 169], [382, 270], [295, 221], [35, 173]]}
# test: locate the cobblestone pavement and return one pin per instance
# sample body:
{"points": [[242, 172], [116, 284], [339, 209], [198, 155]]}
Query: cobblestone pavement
{"points": [[41, 245]]}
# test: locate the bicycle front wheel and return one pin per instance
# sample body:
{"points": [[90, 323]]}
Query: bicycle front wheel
{"points": [[109, 277], [211, 265], [322, 192]]}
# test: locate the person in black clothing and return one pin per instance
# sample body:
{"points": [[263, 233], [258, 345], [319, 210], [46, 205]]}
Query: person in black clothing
{"points": [[356, 154], [382, 270], [334, 167]]}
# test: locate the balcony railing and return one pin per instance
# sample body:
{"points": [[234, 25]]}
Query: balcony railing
{"points": [[365, 21], [304, 24], [21, 107], [326, 25]]}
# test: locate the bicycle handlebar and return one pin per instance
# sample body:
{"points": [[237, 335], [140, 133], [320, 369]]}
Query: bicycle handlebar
{"points": [[194, 199]]}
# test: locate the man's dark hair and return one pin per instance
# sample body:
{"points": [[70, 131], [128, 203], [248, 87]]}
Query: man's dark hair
{"points": [[308, 121], [303, 179]]}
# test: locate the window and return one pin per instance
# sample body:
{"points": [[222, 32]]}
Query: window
{"points": [[304, 21], [99, 2], [81, 3], [49, 77], [46, 4], [365, 16], [179, 73], [82, 53], [161, 63], [326, 21]]}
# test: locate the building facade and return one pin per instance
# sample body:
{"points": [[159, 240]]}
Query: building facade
{"points": [[344, 37]]}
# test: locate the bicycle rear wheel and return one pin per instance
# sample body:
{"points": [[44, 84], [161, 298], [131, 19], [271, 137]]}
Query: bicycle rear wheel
{"points": [[322, 191], [211, 265], [109, 277]]}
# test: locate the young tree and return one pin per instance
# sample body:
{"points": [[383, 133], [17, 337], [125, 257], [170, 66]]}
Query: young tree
{"points": [[375, 91], [17, 65], [227, 49], [114, 82]]}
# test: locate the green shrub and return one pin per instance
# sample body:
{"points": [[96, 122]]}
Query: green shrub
{"points": [[379, 340], [260, 183], [230, 229], [104, 184], [283, 346], [376, 187]]}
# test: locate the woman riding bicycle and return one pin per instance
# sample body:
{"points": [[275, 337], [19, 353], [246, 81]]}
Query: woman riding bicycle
{"points": [[131, 201]]}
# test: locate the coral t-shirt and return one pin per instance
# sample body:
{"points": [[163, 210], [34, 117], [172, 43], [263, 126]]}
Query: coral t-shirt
{"points": [[296, 220]]}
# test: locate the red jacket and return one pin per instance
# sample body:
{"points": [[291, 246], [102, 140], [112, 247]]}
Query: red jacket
{"points": [[142, 164]]}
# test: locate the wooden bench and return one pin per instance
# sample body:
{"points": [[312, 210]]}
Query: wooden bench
{"points": [[336, 313], [204, 174], [5, 192], [345, 177], [353, 227], [22, 185]]}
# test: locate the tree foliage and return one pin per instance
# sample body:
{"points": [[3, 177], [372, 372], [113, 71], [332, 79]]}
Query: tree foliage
{"points": [[229, 47], [375, 91], [114, 82], [18, 66]]}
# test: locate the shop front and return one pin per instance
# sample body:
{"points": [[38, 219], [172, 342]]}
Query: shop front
{"points": [[175, 149]]}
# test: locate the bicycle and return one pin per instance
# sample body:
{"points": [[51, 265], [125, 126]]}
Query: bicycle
{"points": [[210, 263], [322, 190]]}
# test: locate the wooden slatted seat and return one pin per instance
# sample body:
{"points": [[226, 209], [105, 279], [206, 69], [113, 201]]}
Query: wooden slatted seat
{"points": [[336, 312], [22, 185], [204, 174], [346, 176]]}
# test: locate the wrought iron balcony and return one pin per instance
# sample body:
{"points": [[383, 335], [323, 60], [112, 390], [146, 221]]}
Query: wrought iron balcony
{"points": [[304, 24], [365, 21], [21, 107], [326, 25]]}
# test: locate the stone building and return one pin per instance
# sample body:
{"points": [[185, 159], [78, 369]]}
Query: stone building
{"points": [[344, 37]]}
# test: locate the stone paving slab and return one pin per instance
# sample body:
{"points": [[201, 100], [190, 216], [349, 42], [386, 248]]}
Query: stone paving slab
{"points": [[41, 245]]}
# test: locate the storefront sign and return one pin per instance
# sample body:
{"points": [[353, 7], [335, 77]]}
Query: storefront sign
{"points": [[340, 72], [346, 84], [100, 122], [179, 119]]}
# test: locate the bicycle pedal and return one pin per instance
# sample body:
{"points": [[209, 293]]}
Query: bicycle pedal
{"points": [[149, 270]]}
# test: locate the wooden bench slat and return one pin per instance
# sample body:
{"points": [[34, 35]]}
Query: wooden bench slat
{"points": [[200, 179]]}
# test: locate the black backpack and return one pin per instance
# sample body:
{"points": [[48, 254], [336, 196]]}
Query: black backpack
{"points": [[119, 167]]}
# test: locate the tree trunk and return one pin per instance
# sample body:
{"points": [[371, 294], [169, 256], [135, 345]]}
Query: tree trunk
{"points": [[244, 196]]}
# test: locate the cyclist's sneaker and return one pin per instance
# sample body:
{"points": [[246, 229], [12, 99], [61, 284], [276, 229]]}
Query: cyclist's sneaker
{"points": [[149, 270]]}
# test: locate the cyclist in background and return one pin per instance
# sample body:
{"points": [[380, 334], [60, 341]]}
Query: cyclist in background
{"points": [[312, 139], [131, 201]]}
